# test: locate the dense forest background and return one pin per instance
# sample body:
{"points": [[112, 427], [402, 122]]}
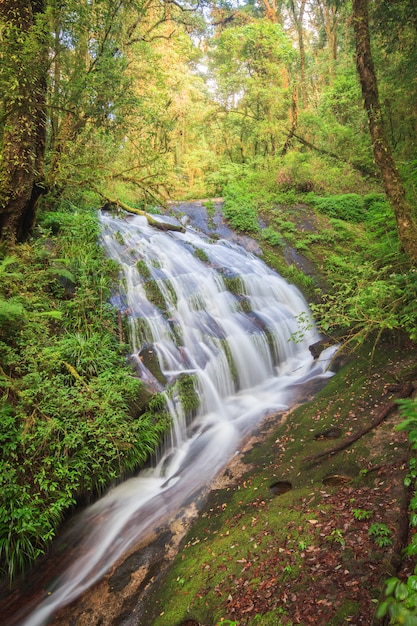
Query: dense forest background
{"points": [[268, 104], [150, 101]]}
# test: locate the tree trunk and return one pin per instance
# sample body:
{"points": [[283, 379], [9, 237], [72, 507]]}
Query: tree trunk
{"points": [[297, 12], [22, 167], [394, 188], [294, 121]]}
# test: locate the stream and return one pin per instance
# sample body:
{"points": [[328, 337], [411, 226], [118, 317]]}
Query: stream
{"points": [[226, 320]]}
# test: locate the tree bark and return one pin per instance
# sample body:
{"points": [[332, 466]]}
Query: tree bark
{"points": [[273, 11], [394, 187], [297, 11], [24, 136]]}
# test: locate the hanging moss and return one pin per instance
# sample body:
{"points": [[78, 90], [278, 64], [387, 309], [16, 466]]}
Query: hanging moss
{"points": [[230, 361], [119, 238], [139, 331], [244, 304], [196, 302], [184, 389], [154, 294], [172, 292]]}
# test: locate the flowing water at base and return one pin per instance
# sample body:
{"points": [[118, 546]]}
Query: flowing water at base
{"points": [[210, 310]]}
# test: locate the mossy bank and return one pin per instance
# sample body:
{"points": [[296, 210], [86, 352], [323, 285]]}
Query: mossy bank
{"points": [[287, 540]]}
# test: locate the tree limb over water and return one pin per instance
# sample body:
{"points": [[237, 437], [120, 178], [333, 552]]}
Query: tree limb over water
{"points": [[152, 220]]}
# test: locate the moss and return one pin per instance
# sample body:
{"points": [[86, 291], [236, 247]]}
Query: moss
{"points": [[119, 238], [187, 393], [245, 532], [201, 254], [245, 304], [138, 331], [234, 284], [143, 269], [275, 260], [230, 360], [347, 610], [154, 293], [172, 293]]}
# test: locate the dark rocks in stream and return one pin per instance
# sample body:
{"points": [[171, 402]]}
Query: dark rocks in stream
{"points": [[149, 359], [317, 348]]}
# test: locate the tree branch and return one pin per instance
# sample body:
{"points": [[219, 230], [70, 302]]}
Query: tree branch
{"points": [[404, 392]]}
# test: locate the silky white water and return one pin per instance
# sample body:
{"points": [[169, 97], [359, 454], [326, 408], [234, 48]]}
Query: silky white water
{"points": [[246, 349]]}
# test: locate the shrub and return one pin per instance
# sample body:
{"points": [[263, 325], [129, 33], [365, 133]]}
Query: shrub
{"points": [[240, 208], [272, 237], [349, 207]]}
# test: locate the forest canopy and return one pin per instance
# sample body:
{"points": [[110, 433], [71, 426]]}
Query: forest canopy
{"points": [[157, 100]]}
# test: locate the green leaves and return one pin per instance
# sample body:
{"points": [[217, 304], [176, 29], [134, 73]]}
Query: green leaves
{"points": [[70, 418], [349, 207], [401, 601], [240, 207]]}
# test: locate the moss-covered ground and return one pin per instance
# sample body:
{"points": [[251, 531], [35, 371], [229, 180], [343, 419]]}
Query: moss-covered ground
{"points": [[319, 552]]}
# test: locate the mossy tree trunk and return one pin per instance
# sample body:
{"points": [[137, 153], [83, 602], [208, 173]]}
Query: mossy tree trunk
{"points": [[23, 73], [394, 187]]}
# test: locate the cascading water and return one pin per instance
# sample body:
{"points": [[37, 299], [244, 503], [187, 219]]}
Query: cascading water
{"points": [[245, 351]]}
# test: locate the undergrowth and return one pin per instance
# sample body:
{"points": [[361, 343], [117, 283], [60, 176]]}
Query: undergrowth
{"points": [[72, 416], [372, 288]]}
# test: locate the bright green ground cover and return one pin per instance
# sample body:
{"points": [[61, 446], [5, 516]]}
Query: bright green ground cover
{"points": [[73, 418]]}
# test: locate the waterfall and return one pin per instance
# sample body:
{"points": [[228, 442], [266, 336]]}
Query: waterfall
{"points": [[217, 313]]}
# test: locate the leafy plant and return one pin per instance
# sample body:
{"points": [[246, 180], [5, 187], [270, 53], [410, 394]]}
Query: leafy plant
{"points": [[401, 596], [381, 534], [272, 237], [361, 514], [401, 601], [240, 209], [72, 417], [349, 207], [337, 537]]}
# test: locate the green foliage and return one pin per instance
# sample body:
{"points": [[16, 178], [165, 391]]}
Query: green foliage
{"points": [[375, 300], [381, 534], [361, 514], [401, 601], [374, 289], [336, 536], [401, 596], [349, 207], [186, 388], [70, 414], [240, 208], [11, 309], [201, 254], [249, 63], [296, 173], [271, 236]]}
